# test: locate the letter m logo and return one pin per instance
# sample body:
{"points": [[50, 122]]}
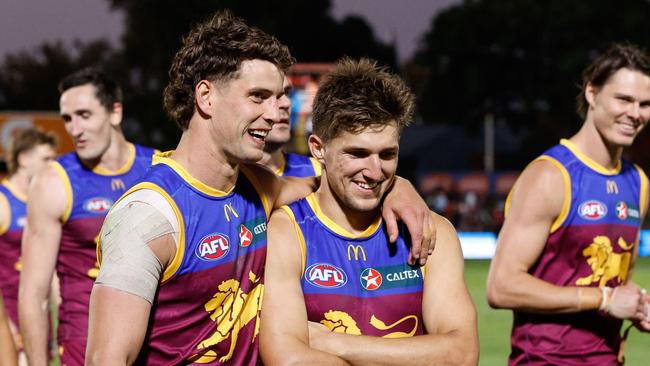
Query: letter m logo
{"points": [[356, 250]]}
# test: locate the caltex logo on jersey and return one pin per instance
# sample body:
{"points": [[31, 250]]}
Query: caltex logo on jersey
{"points": [[245, 236], [213, 247], [592, 210], [325, 275], [98, 205], [370, 279]]}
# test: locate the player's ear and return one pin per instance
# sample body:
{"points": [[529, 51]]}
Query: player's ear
{"points": [[202, 97], [590, 94], [316, 147]]}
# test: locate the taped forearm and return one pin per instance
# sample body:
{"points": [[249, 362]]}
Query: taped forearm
{"points": [[128, 263]]}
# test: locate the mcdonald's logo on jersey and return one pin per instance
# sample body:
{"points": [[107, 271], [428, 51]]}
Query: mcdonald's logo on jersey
{"points": [[228, 209], [356, 250], [612, 188], [117, 184]]}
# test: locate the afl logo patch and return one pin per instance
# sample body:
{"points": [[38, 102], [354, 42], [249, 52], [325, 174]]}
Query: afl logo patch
{"points": [[371, 279], [213, 247], [592, 210], [98, 205], [325, 275]]}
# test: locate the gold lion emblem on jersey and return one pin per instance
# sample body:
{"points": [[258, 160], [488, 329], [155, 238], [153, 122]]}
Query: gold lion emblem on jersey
{"points": [[342, 322], [605, 264], [232, 309]]}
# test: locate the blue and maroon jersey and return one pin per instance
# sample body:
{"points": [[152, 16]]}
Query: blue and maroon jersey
{"points": [[91, 193], [296, 165], [207, 307], [10, 234], [357, 284], [591, 244]]}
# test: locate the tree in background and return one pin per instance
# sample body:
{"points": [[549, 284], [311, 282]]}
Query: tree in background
{"points": [[154, 28], [520, 60], [152, 35]]}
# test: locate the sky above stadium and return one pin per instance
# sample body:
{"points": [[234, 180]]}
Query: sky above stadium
{"points": [[25, 24]]}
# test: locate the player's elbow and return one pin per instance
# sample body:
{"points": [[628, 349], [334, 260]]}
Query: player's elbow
{"points": [[496, 291], [464, 352]]}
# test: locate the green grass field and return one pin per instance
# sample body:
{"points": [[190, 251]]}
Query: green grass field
{"points": [[494, 325]]}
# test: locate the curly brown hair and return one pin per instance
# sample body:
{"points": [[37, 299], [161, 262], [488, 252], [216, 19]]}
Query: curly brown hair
{"points": [[24, 140], [214, 50], [617, 56], [360, 94]]}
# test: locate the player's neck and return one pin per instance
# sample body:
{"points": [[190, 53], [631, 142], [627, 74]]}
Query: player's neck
{"points": [[591, 143], [273, 160], [354, 221], [205, 161], [19, 181], [115, 157]]}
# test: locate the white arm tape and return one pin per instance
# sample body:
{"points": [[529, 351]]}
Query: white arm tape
{"points": [[128, 264]]}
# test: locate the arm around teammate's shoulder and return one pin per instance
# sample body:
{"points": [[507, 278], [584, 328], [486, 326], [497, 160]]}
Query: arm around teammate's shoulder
{"points": [[535, 204], [46, 204], [284, 316]]}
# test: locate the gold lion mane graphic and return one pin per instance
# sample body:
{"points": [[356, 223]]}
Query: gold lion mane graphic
{"points": [[605, 264], [232, 309], [342, 322]]}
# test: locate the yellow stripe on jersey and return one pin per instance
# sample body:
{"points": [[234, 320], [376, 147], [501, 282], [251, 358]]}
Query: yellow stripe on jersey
{"points": [[313, 203], [6, 214], [165, 158], [566, 205], [643, 199], [68, 190], [19, 195], [588, 161], [301, 239], [124, 169]]}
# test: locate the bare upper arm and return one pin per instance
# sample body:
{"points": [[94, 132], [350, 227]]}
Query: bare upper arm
{"points": [[535, 205], [5, 214], [284, 317], [46, 204], [447, 305]]}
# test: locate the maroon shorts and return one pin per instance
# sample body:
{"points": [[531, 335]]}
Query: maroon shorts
{"points": [[72, 352]]}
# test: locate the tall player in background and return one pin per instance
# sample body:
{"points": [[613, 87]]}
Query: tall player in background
{"points": [[329, 258], [29, 152], [570, 239], [275, 158], [67, 203]]}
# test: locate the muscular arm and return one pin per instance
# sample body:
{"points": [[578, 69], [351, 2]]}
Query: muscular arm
{"points": [[284, 317], [536, 201], [134, 238], [448, 312], [46, 203]]}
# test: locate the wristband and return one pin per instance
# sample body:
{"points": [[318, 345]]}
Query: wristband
{"points": [[606, 293]]}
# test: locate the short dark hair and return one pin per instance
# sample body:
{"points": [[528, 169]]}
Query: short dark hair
{"points": [[617, 56], [25, 140], [107, 90], [360, 94], [214, 50]]}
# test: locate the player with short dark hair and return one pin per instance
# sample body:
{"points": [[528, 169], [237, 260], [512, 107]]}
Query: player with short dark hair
{"points": [[67, 203]]}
